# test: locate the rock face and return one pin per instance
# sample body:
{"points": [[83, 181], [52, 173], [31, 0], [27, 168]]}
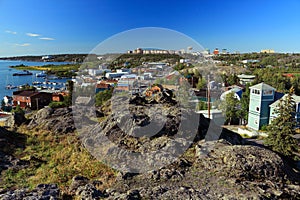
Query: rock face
{"points": [[200, 160], [58, 121], [144, 133], [16, 119], [227, 172], [244, 163], [42, 191], [9, 141]]}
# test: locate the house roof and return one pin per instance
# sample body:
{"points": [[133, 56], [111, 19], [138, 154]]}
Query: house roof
{"points": [[246, 76], [27, 93], [103, 85], [276, 103], [237, 91], [262, 86]]}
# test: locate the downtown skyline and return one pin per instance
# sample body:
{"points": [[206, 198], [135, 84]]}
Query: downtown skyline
{"points": [[36, 27]]}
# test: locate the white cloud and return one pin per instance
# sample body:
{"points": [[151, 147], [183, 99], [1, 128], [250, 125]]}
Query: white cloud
{"points": [[11, 32], [33, 34], [46, 38], [23, 45]]}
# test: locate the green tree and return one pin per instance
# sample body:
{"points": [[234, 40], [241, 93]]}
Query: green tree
{"points": [[230, 107], [102, 97], [70, 88], [201, 105], [243, 112], [270, 60], [201, 83], [232, 79], [281, 130], [18, 110]]}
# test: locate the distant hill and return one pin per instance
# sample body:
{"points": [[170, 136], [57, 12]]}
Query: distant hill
{"points": [[52, 58]]}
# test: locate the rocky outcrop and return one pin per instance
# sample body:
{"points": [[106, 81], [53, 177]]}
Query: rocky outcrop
{"points": [[9, 142], [226, 172], [199, 160], [58, 121], [42, 191], [142, 130], [15, 120]]}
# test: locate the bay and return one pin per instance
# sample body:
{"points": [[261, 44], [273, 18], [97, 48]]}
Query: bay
{"points": [[6, 75]]}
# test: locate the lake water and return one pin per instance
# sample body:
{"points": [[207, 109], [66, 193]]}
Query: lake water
{"points": [[6, 75]]}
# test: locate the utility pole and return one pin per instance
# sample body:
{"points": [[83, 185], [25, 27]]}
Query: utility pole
{"points": [[37, 103], [208, 97]]}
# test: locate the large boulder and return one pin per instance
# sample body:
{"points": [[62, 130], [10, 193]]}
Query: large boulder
{"points": [[58, 121], [226, 172], [9, 143], [15, 120]]}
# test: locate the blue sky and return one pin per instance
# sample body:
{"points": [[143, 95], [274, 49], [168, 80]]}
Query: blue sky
{"points": [[36, 27]]}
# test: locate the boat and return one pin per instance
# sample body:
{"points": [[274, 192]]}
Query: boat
{"points": [[23, 73], [36, 83], [41, 74], [10, 87]]}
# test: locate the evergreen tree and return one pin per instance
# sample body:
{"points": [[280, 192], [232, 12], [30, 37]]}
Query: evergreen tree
{"points": [[102, 97], [70, 87], [230, 107], [243, 112], [201, 83], [281, 130]]}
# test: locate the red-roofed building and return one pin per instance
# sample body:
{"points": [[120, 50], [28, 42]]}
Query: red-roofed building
{"points": [[288, 75], [31, 99], [57, 97], [216, 51], [102, 86]]}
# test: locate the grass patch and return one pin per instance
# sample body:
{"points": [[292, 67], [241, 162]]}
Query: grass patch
{"points": [[55, 159], [64, 67]]}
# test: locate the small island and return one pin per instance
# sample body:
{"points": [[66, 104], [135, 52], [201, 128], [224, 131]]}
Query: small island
{"points": [[61, 71]]}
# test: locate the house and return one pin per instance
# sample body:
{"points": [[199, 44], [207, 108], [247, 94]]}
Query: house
{"points": [[102, 87], [216, 51], [128, 70], [216, 115], [112, 83], [244, 79], [275, 105], [7, 100], [126, 85], [238, 91], [97, 72], [261, 97], [57, 97], [114, 75], [31, 99]]}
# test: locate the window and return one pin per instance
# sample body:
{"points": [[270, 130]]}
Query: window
{"points": [[268, 92], [255, 91], [257, 109], [256, 121]]}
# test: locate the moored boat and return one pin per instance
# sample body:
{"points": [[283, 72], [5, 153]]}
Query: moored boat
{"points": [[23, 73], [10, 87], [41, 74]]}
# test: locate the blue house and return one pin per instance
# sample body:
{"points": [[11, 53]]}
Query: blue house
{"points": [[261, 96]]}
